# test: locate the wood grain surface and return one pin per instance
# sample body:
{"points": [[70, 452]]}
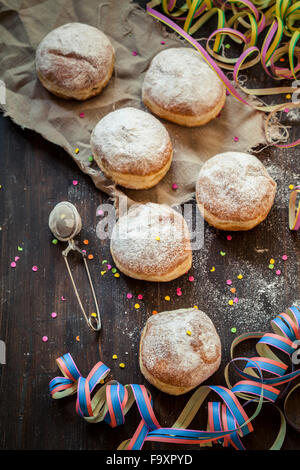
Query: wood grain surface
{"points": [[35, 175]]}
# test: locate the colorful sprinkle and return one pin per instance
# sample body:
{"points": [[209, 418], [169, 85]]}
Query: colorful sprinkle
{"points": [[115, 356], [212, 269], [94, 315], [291, 186], [63, 298], [235, 300], [286, 110], [227, 93], [54, 241], [271, 266], [20, 248], [53, 314], [81, 115], [90, 256], [278, 272], [122, 365], [134, 53], [102, 273], [34, 268], [137, 306], [91, 158], [129, 296], [240, 276], [13, 264], [162, 42], [157, 238], [104, 261], [196, 307], [114, 270], [140, 297], [100, 212], [229, 282], [233, 290], [191, 278], [108, 267], [85, 242], [117, 275], [188, 332], [272, 261], [236, 139], [284, 257], [233, 330], [167, 297], [74, 182], [229, 237], [222, 253], [45, 339], [77, 150], [77, 338], [230, 302], [288, 96], [174, 186], [227, 46], [154, 312]]}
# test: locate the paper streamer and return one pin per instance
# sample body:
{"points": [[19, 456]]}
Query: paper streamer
{"points": [[280, 16], [294, 209], [227, 420]]}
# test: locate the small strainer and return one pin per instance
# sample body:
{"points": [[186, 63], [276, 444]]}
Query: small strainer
{"points": [[65, 223]]}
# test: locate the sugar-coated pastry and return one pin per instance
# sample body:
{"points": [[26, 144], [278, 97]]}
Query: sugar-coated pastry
{"points": [[151, 242], [179, 86], [179, 350], [234, 191], [75, 61], [132, 147]]}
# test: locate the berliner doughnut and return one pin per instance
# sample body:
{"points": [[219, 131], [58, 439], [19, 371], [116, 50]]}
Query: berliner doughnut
{"points": [[179, 350], [132, 148], [179, 86], [75, 61], [151, 242], [234, 191]]}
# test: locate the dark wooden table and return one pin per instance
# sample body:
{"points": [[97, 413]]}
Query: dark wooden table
{"points": [[35, 175]]}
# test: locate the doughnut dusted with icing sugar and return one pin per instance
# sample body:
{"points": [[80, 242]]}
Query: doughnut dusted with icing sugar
{"points": [[151, 242], [132, 147], [179, 350], [75, 61], [180, 87], [234, 191]]}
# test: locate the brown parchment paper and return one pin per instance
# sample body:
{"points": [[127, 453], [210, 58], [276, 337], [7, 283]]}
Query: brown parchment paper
{"points": [[23, 23]]}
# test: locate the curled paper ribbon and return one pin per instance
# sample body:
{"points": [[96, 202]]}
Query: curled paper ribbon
{"points": [[281, 17], [294, 209], [227, 421]]}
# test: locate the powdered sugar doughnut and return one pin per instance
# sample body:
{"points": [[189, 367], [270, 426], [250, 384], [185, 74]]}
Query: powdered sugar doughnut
{"points": [[180, 87], [75, 61], [234, 191], [151, 242], [132, 148], [179, 350]]}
